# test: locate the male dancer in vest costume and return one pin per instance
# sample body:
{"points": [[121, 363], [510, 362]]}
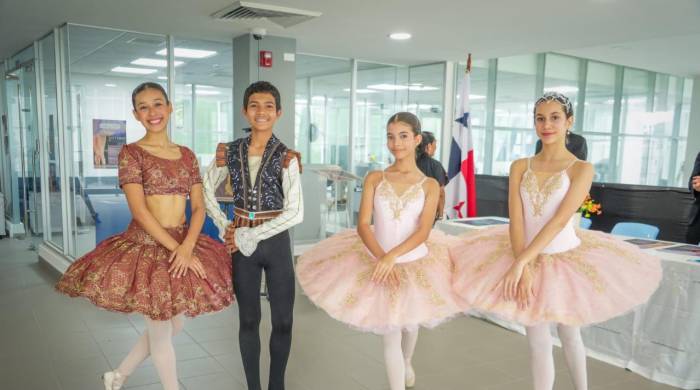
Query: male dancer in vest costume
{"points": [[264, 177]]}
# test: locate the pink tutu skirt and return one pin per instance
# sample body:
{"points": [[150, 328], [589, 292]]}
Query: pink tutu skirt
{"points": [[335, 275], [128, 273], [601, 278]]}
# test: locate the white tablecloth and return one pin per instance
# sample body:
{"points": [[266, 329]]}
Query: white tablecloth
{"points": [[660, 340]]}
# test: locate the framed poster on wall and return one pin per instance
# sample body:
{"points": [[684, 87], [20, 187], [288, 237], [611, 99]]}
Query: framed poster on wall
{"points": [[108, 137]]}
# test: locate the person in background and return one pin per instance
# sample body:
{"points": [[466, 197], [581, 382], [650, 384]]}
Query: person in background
{"points": [[432, 167]]}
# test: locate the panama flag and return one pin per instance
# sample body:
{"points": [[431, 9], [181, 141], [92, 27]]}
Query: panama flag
{"points": [[460, 192]]}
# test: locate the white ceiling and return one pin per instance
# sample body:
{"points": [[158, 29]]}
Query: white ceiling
{"points": [[658, 35]]}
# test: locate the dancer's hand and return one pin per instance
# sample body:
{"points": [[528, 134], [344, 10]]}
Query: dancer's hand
{"points": [[394, 278], [180, 260], [383, 268], [230, 239], [511, 279], [525, 289], [197, 267]]}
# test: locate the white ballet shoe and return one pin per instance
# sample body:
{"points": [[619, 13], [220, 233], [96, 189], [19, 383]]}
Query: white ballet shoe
{"points": [[113, 380], [410, 376]]}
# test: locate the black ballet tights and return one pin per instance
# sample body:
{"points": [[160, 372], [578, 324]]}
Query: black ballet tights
{"points": [[273, 255]]}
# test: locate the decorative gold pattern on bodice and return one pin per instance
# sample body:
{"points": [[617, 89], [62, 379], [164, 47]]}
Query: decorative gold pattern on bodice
{"points": [[398, 203], [540, 194]]}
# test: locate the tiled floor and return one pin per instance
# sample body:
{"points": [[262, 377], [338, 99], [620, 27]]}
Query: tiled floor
{"points": [[48, 341]]}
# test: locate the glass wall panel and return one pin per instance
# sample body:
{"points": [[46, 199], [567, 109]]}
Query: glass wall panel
{"points": [[425, 98], [382, 90], [561, 74], [203, 99], [515, 92], [47, 66], [600, 98], [322, 108], [104, 67]]}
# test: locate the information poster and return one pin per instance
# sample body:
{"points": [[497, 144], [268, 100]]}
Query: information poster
{"points": [[108, 137]]}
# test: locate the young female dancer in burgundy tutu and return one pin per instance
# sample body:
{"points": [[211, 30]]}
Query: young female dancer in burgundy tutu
{"points": [[541, 270], [391, 278], [159, 266]]}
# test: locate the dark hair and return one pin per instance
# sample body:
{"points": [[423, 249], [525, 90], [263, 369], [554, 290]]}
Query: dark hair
{"points": [[262, 87], [428, 138], [144, 86], [560, 98], [407, 118]]}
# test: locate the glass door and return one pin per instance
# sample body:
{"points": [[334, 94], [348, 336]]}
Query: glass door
{"points": [[22, 149]]}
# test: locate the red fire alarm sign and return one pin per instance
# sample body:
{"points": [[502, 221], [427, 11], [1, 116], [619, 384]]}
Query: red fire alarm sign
{"points": [[265, 59]]}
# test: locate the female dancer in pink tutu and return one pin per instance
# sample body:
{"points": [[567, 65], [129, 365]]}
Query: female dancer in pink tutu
{"points": [[159, 266], [391, 278], [540, 269]]}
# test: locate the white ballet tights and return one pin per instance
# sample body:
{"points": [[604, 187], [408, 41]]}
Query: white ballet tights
{"points": [[542, 360], [398, 352], [157, 342]]}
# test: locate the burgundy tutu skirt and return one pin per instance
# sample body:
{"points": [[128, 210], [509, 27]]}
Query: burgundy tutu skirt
{"points": [[128, 273]]}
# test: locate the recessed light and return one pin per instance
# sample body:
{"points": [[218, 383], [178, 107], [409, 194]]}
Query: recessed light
{"points": [[162, 78], [422, 88], [400, 36], [207, 92], [154, 62], [110, 85], [188, 53], [361, 90], [387, 87], [125, 69]]}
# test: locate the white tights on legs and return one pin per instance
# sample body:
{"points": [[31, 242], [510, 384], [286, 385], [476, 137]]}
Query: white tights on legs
{"points": [[408, 345], [398, 352], [542, 360], [575, 354], [156, 341], [394, 360]]}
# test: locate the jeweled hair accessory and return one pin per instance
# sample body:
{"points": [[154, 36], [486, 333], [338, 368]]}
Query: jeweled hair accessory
{"points": [[559, 98]]}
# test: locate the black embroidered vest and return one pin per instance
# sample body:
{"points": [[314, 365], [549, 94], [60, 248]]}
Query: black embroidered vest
{"points": [[261, 193]]}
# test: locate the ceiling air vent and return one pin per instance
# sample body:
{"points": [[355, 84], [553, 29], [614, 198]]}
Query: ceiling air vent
{"points": [[282, 16]]}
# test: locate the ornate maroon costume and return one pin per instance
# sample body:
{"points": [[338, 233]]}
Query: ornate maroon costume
{"points": [[128, 272]]}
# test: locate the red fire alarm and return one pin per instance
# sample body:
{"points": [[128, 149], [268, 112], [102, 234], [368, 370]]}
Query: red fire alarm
{"points": [[265, 59]]}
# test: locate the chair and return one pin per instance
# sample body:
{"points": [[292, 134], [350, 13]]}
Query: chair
{"points": [[585, 223], [634, 229]]}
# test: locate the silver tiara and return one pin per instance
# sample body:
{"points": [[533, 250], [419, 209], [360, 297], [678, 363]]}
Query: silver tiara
{"points": [[559, 98]]}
